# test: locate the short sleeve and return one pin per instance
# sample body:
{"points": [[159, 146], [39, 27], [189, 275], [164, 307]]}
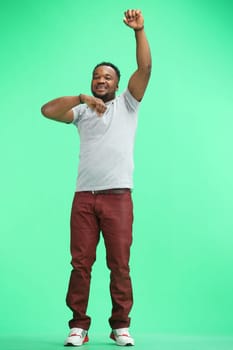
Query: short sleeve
{"points": [[77, 112], [131, 103]]}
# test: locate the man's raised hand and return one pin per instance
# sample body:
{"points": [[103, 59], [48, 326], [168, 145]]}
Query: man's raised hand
{"points": [[134, 19]]}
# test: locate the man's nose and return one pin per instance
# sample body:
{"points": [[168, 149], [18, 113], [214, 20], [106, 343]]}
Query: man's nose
{"points": [[101, 80]]}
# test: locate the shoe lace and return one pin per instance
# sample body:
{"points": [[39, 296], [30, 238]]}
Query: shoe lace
{"points": [[78, 333], [124, 332]]}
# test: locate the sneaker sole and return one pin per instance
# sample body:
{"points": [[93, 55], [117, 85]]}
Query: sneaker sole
{"points": [[86, 339], [115, 340]]}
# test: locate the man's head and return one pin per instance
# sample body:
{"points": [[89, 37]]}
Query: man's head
{"points": [[105, 79]]}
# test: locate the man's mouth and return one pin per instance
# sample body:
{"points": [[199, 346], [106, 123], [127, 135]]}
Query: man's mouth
{"points": [[100, 88]]}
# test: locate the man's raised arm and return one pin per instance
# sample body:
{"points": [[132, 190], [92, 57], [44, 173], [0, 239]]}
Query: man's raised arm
{"points": [[140, 78]]}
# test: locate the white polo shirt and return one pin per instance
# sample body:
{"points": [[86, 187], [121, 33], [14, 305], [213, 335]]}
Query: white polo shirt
{"points": [[107, 144]]}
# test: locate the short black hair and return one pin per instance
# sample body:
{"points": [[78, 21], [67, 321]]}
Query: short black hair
{"points": [[109, 64]]}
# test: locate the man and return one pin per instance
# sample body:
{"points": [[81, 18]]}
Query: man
{"points": [[102, 201]]}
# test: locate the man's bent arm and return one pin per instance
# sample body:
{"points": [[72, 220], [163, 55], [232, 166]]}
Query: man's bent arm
{"points": [[60, 109]]}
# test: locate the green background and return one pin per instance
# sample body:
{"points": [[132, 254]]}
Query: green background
{"points": [[182, 257]]}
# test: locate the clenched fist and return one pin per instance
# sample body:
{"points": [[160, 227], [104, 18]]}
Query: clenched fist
{"points": [[134, 19], [94, 103]]}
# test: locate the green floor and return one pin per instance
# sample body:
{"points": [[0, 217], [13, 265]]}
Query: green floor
{"points": [[143, 341]]}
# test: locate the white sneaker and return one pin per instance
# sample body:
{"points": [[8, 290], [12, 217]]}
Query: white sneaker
{"points": [[76, 337], [122, 337]]}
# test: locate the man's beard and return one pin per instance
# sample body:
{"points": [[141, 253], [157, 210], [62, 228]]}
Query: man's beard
{"points": [[106, 97]]}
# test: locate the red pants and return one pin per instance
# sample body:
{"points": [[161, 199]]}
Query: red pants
{"points": [[113, 215]]}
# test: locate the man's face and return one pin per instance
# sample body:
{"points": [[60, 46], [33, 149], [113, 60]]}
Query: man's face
{"points": [[104, 83]]}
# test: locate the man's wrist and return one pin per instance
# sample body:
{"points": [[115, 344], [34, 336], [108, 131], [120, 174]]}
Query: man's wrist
{"points": [[80, 99], [139, 29]]}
